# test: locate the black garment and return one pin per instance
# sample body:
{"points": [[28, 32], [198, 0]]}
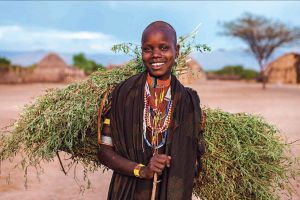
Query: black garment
{"points": [[184, 142]]}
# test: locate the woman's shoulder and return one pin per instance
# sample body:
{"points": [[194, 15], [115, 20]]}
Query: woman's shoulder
{"points": [[129, 80], [129, 83], [193, 93]]}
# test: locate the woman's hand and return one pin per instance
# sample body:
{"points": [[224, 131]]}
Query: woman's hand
{"points": [[156, 165]]}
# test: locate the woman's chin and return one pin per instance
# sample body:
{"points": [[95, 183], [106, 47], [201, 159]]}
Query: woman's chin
{"points": [[160, 75]]}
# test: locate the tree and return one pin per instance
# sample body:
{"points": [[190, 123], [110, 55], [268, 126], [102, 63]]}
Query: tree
{"points": [[4, 61], [262, 35], [4, 64], [88, 66], [237, 71]]}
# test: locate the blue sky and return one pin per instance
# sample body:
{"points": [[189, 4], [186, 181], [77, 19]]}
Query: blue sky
{"points": [[94, 26]]}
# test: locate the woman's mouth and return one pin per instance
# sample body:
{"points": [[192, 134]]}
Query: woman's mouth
{"points": [[157, 65]]}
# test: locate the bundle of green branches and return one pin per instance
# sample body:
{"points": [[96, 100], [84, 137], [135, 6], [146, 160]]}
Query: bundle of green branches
{"points": [[245, 159]]}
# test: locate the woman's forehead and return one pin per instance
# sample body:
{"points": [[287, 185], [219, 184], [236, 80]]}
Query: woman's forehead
{"points": [[163, 34]]}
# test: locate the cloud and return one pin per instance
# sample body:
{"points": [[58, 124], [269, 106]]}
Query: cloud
{"points": [[18, 38]]}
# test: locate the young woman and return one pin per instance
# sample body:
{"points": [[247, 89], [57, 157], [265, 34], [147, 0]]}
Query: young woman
{"points": [[153, 128]]}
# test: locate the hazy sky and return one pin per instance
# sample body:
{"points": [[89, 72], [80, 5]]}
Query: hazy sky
{"points": [[93, 27]]}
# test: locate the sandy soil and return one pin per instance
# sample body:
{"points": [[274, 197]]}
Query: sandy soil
{"points": [[278, 104]]}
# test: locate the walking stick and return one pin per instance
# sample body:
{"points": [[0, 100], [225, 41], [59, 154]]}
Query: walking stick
{"points": [[154, 187], [154, 180]]}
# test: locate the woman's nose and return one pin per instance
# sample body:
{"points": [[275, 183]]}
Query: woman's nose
{"points": [[156, 53]]}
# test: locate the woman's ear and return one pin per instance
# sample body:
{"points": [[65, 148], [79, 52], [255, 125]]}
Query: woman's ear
{"points": [[177, 50]]}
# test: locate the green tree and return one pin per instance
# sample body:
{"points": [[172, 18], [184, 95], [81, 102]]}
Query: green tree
{"points": [[262, 35], [87, 65], [4, 64], [237, 70]]}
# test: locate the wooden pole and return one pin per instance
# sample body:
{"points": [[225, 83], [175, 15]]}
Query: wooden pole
{"points": [[154, 187], [154, 177]]}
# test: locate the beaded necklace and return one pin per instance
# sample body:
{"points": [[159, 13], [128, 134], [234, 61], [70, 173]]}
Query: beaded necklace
{"points": [[155, 120]]}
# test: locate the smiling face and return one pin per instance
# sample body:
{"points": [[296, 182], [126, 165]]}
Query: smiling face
{"points": [[159, 51]]}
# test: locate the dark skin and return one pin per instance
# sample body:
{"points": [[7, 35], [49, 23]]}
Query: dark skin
{"points": [[159, 51], [108, 157]]}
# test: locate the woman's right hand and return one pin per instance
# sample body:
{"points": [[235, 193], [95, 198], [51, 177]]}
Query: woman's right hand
{"points": [[156, 165]]}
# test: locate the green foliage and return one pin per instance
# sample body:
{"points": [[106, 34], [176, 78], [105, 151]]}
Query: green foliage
{"points": [[63, 120], [237, 70], [4, 64], [88, 66], [249, 74], [4, 61], [245, 159]]}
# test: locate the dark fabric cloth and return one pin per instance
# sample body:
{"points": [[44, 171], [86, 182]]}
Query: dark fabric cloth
{"points": [[184, 142]]}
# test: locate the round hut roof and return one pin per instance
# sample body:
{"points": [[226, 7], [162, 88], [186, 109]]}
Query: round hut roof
{"points": [[287, 60], [194, 65], [52, 60]]}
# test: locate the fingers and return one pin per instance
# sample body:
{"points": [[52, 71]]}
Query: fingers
{"points": [[156, 165], [158, 162], [168, 161], [156, 170]]}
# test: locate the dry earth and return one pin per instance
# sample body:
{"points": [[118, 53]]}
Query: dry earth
{"points": [[279, 104]]}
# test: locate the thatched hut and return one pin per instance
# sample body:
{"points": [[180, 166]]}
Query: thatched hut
{"points": [[194, 72], [285, 69], [52, 68]]}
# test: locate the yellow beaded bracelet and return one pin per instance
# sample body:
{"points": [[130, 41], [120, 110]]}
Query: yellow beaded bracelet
{"points": [[137, 169], [107, 121]]}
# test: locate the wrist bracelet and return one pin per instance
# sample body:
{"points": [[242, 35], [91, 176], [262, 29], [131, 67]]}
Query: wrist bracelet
{"points": [[106, 121], [137, 169]]}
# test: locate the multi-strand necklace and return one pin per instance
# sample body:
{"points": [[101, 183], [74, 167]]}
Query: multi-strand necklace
{"points": [[157, 117]]}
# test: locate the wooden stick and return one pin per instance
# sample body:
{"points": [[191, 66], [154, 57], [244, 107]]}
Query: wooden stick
{"points": [[105, 95], [155, 176], [62, 167], [154, 187]]}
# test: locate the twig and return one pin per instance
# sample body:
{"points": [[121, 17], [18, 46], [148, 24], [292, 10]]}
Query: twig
{"points": [[62, 167], [293, 141]]}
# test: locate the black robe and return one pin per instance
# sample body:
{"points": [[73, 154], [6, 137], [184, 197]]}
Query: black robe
{"points": [[184, 142]]}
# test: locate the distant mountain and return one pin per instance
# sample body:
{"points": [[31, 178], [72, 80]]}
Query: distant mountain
{"points": [[215, 59]]}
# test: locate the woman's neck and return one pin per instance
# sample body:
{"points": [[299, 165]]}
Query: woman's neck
{"points": [[155, 82]]}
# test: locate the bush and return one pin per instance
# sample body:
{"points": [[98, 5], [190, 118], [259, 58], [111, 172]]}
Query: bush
{"points": [[88, 66], [236, 70], [4, 64]]}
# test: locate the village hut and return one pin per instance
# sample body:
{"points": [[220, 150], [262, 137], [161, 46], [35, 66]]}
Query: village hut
{"points": [[193, 72], [52, 68], [73, 74], [285, 69]]}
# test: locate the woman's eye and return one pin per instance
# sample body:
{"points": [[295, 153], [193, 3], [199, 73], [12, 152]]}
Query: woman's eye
{"points": [[164, 48], [147, 49]]}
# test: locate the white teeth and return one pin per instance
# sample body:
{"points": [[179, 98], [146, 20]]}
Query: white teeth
{"points": [[157, 64]]}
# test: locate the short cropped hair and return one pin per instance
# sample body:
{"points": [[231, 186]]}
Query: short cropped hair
{"points": [[161, 24]]}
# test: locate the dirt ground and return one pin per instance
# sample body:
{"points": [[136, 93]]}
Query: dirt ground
{"points": [[279, 104]]}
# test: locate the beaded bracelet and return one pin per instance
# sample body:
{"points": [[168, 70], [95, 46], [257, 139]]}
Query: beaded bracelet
{"points": [[137, 169]]}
